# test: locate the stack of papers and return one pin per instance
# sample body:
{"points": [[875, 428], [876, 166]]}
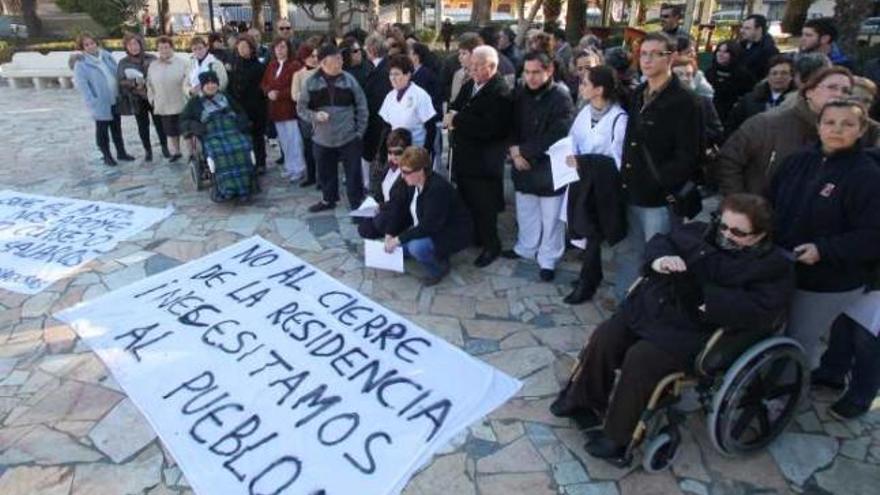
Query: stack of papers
{"points": [[562, 173], [376, 257]]}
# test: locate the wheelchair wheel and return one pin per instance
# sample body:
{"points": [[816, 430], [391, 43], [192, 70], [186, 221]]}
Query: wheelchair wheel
{"points": [[195, 173], [660, 452], [758, 396]]}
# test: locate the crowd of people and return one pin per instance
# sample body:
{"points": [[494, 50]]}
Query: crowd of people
{"points": [[786, 139]]}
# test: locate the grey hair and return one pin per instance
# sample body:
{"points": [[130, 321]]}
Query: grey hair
{"points": [[375, 44], [487, 53]]}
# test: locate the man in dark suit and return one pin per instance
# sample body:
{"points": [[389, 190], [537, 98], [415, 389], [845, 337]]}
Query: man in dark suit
{"points": [[376, 88], [480, 121]]}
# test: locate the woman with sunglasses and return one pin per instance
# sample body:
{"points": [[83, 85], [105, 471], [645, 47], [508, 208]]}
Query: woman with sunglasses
{"points": [[387, 187], [697, 279], [828, 216], [436, 222]]}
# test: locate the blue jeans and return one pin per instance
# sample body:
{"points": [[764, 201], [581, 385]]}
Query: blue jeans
{"points": [[423, 251], [853, 350], [642, 225]]}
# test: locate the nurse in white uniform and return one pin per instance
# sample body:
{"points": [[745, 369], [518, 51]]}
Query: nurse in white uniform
{"points": [[406, 105]]}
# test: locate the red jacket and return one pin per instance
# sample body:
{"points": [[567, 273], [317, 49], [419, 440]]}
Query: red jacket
{"points": [[283, 108]]}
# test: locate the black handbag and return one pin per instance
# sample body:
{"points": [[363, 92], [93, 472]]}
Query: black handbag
{"points": [[686, 202]]}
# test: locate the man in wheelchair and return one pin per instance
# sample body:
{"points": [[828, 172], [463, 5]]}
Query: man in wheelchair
{"points": [[222, 128], [696, 279]]}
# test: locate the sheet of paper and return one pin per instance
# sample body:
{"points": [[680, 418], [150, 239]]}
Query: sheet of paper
{"points": [[562, 173], [368, 209], [376, 257]]}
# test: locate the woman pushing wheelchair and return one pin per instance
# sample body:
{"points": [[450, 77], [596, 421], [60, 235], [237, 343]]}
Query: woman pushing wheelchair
{"points": [[700, 277]]}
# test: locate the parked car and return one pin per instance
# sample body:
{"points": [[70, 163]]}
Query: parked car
{"points": [[869, 31]]}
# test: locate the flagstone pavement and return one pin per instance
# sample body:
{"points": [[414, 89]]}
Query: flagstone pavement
{"points": [[66, 427]]}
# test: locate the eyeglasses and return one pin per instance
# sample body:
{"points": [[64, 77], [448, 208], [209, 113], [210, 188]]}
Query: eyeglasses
{"points": [[723, 227], [284, 28], [653, 55], [395, 151]]}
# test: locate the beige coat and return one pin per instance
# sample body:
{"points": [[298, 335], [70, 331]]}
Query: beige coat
{"points": [[299, 82], [165, 82]]}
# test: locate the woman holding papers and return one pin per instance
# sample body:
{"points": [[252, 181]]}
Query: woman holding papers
{"points": [[132, 74], [595, 203], [386, 187], [437, 223]]}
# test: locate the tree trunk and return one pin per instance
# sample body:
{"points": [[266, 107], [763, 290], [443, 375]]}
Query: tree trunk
{"points": [[575, 20], [481, 12], [525, 22], [414, 14], [635, 10], [163, 20], [848, 16], [279, 7], [552, 11], [258, 20], [31, 19], [795, 15], [373, 15]]}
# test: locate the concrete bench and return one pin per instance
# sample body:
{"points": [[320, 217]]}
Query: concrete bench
{"points": [[43, 70]]}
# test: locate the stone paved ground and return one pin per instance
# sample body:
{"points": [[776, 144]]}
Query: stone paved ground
{"points": [[66, 427]]}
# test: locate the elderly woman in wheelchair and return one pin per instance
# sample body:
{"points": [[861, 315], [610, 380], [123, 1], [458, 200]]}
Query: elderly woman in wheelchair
{"points": [[697, 279], [222, 150]]}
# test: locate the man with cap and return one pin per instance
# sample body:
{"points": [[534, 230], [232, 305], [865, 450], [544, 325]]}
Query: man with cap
{"points": [[334, 103]]}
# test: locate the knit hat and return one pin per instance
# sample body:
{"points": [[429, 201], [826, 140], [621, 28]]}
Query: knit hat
{"points": [[208, 76], [327, 50]]}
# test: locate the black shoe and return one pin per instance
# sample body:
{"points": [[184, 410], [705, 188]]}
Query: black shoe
{"points": [[175, 157], [307, 183], [844, 409], [817, 379], [485, 258], [260, 170], [280, 161], [109, 161], [510, 254], [547, 275], [148, 155], [124, 157], [579, 295], [432, 281], [602, 447], [165, 152], [587, 420], [321, 206]]}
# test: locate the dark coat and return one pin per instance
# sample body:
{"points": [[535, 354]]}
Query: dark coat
{"points": [[191, 117], [481, 128], [730, 84], [540, 118], [283, 108], [425, 78], [666, 128], [742, 290], [390, 219], [360, 72], [753, 103], [831, 201], [756, 58], [133, 97], [442, 214], [244, 87], [596, 206], [376, 88]]}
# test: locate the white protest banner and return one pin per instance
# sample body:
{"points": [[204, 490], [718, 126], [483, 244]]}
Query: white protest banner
{"points": [[262, 374], [44, 238]]}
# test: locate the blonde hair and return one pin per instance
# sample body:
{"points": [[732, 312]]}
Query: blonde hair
{"points": [[415, 158]]}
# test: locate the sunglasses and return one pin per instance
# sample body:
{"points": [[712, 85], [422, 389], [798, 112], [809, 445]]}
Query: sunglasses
{"points": [[284, 28], [723, 227], [395, 152]]}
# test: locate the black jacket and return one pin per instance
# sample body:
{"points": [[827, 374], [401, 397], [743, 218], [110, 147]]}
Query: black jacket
{"points": [[376, 88], [481, 128], [834, 202], [669, 129], [442, 214], [540, 118], [596, 207], [244, 87], [753, 103], [730, 84], [741, 290], [756, 58]]}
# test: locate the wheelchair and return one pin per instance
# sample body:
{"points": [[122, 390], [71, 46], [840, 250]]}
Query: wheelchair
{"points": [[749, 385], [202, 168]]}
